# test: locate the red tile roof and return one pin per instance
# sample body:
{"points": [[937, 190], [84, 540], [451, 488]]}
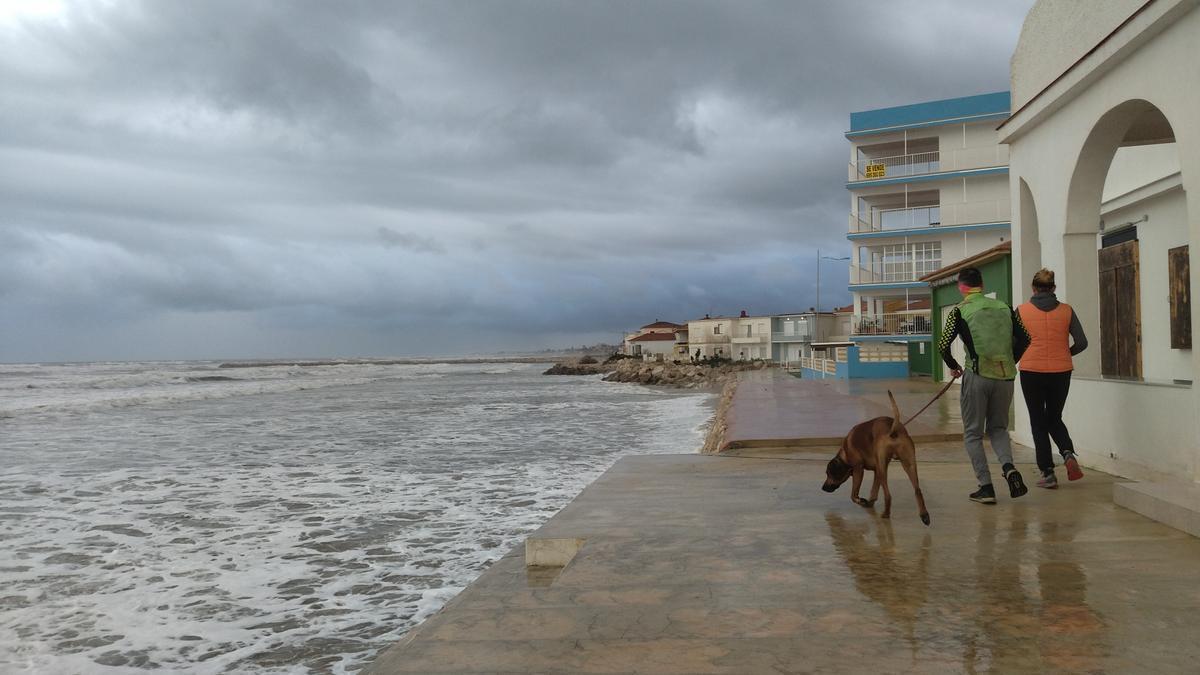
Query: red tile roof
{"points": [[654, 337], [662, 324]]}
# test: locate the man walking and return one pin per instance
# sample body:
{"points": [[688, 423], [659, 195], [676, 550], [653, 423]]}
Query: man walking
{"points": [[995, 339]]}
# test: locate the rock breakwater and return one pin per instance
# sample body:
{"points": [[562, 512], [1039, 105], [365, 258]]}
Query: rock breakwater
{"points": [[683, 376]]}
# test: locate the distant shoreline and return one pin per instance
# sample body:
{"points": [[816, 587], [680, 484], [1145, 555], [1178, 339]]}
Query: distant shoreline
{"points": [[312, 363]]}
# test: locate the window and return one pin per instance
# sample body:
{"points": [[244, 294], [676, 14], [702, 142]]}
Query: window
{"points": [[927, 257], [1179, 277], [717, 329], [895, 263], [749, 331]]}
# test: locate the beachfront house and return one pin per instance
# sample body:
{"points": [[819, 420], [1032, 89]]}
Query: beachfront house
{"points": [[928, 182], [792, 335], [653, 346], [751, 338], [1104, 141], [634, 347], [709, 337]]}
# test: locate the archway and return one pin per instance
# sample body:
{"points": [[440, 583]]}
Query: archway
{"points": [[1031, 245], [1121, 211]]}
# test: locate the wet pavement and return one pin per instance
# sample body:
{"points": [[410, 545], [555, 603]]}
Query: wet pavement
{"points": [[716, 564], [772, 408]]}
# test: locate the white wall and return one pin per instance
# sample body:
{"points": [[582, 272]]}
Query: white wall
{"points": [[652, 349], [1046, 49], [1057, 148], [979, 199], [970, 146], [1128, 428], [1139, 165]]}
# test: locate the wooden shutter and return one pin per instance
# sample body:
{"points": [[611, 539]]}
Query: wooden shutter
{"points": [[1120, 311], [1179, 279]]}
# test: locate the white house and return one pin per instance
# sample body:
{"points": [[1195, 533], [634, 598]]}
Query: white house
{"points": [[751, 338], [659, 327], [653, 346], [709, 337], [1104, 143]]}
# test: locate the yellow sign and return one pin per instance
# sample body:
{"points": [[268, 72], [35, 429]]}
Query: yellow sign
{"points": [[876, 171]]}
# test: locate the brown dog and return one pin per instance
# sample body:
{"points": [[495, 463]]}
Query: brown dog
{"points": [[872, 445]]}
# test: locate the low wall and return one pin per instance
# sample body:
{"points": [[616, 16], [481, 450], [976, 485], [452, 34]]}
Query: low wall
{"points": [[1130, 429]]}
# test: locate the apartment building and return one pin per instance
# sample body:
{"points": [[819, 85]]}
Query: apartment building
{"points": [[928, 183], [740, 338]]}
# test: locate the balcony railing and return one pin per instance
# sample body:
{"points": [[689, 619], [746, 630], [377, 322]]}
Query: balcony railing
{"points": [[802, 336], [827, 362], [870, 168], [896, 219], [705, 338], [901, 323], [864, 275]]}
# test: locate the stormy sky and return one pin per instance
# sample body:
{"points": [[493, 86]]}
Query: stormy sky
{"points": [[226, 179]]}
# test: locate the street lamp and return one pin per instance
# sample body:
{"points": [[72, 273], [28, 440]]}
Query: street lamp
{"points": [[819, 259]]}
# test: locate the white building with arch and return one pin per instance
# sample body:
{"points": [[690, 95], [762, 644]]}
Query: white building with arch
{"points": [[1104, 160]]}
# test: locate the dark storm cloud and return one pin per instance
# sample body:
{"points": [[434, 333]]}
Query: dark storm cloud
{"points": [[416, 177]]}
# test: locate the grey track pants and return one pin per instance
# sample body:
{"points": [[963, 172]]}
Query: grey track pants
{"points": [[985, 404]]}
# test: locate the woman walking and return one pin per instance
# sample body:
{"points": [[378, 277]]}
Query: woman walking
{"points": [[1046, 374]]}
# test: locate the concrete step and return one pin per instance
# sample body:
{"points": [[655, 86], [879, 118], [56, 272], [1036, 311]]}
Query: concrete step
{"points": [[1174, 504]]}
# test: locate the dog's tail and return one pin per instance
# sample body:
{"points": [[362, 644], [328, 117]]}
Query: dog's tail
{"points": [[895, 415]]}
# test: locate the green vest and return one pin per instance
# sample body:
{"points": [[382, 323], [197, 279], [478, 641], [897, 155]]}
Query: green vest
{"points": [[991, 325]]}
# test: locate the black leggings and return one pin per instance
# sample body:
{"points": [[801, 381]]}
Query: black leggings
{"points": [[1045, 396]]}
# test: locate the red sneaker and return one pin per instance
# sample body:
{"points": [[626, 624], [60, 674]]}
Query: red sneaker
{"points": [[1073, 470]]}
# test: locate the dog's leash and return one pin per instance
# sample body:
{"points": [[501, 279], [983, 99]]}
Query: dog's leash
{"points": [[931, 401]]}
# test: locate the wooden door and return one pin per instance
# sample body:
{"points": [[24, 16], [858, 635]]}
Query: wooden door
{"points": [[1179, 278], [1120, 311]]}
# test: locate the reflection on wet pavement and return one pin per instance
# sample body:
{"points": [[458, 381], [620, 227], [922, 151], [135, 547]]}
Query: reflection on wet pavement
{"points": [[740, 565]]}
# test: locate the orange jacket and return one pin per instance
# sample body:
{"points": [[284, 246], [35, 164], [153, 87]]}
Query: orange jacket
{"points": [[1050, 351]]}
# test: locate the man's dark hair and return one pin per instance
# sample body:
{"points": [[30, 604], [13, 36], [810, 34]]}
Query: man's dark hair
{"points": [[970, 277]]}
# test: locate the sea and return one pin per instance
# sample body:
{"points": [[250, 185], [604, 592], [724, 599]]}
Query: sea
{"points": [[282, 518]]}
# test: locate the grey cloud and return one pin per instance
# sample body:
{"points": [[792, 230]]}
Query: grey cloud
{"points": [[356, 175], [409, 241]]}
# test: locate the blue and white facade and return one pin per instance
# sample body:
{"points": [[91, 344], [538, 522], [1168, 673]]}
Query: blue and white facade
{"points": [[928, 185]]}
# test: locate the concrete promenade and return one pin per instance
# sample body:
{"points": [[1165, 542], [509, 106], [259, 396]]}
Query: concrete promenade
{"points": [[774, 409], [741, 564]]}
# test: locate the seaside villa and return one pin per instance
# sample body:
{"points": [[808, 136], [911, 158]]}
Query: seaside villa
{"points": [[654, 341], [1104, 141], [928, 182]]}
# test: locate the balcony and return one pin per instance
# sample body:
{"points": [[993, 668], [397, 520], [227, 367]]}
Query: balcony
{"points": [[918, 217], [706, 338], [912, 322], [750, 339], [864, 275], [803, 336], [882, 220], [913, 164]]}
